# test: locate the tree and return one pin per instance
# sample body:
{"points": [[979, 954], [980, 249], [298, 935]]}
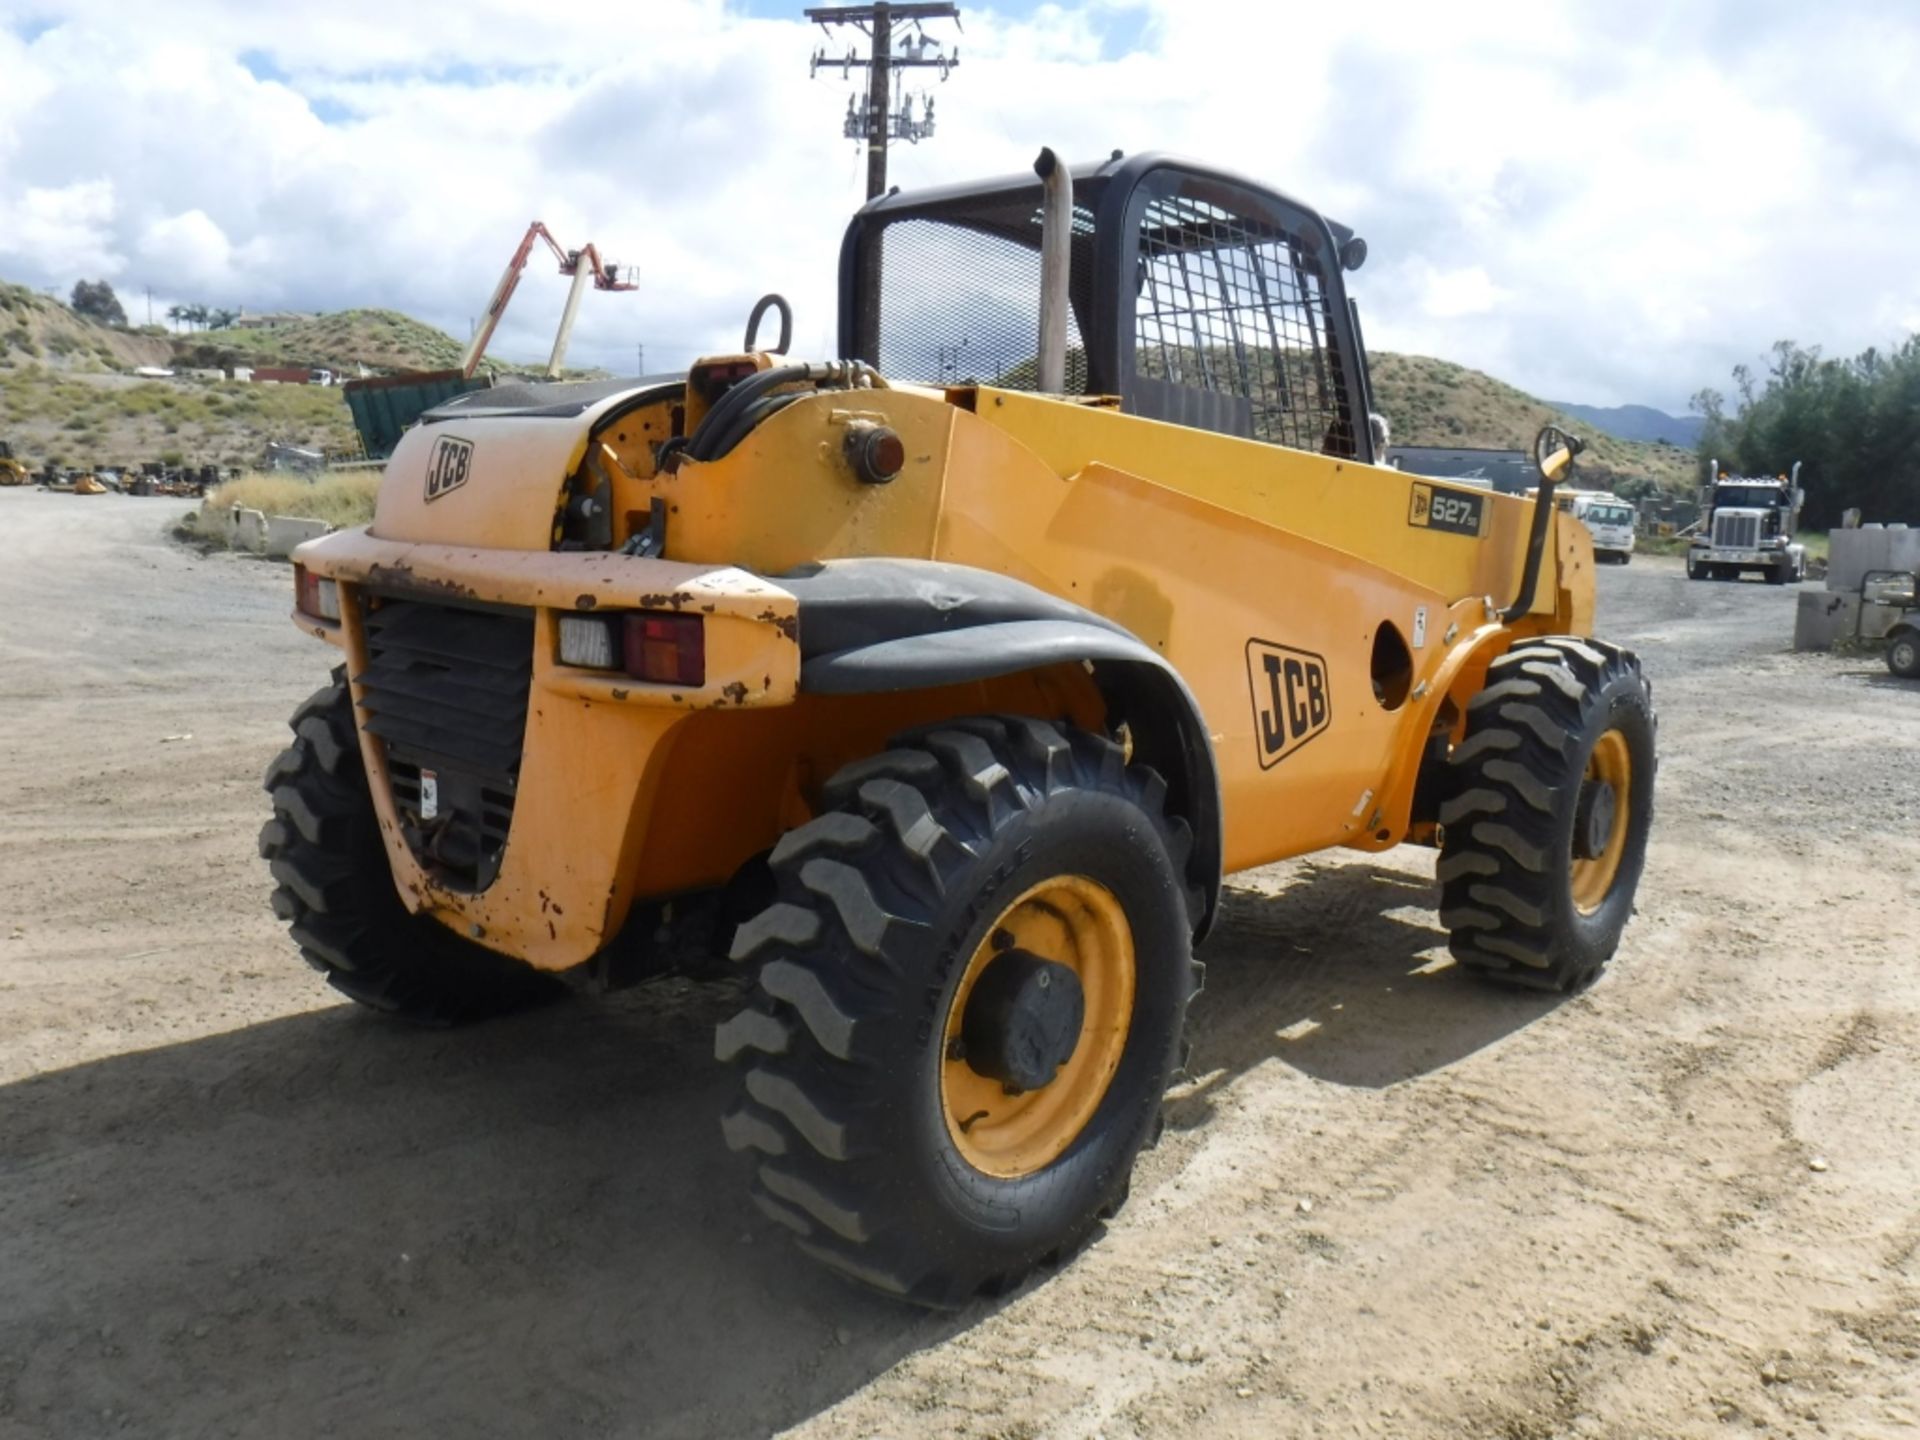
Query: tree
{"points": [[1855, 425], [94, 300], [221, 319]]}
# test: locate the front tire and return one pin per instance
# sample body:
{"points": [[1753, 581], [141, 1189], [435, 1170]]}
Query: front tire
{"points": [[336, 893], [1903, 654], [1549, 807], [890, 1099]]}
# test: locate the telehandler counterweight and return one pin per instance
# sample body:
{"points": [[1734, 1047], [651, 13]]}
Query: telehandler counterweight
{"points": [[941, 705]]}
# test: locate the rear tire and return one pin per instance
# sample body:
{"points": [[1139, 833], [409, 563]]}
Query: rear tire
{"points": [[1530, 892], [848, 1052], [337, 895]]}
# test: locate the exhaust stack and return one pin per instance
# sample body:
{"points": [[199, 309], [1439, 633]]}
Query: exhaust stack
{"points": [[1056, 254]]}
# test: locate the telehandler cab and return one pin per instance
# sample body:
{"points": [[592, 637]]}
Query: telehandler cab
{"points": [[938, 687]]}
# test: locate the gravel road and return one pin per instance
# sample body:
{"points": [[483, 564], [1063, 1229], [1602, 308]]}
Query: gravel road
{"points": [[1392, 1202]]}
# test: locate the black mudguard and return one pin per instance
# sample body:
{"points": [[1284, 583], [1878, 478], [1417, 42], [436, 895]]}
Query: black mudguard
{"points": [[869, 626]]}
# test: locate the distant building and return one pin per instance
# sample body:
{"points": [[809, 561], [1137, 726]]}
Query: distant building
{"points": [[269, 319], [1510, 472]]}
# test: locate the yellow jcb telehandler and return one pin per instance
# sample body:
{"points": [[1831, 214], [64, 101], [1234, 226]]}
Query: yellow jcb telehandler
{"points": [[939, 685]]}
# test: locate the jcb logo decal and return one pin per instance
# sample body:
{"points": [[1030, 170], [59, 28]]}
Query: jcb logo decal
{"points": [[1291, 699], [447, 468]]}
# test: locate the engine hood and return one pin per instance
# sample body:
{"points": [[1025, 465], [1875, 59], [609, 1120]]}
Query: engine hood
{"points": [[485, 469]]}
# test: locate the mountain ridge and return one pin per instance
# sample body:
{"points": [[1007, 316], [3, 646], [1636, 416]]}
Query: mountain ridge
{"points": [[1643, 423]]}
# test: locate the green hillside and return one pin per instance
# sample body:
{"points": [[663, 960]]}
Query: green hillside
{"points": [[343, 341], [1433, 402], [65, 393]]}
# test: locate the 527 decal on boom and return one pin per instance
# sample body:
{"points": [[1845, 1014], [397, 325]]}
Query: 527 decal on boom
{"points": [[1291, 700]]}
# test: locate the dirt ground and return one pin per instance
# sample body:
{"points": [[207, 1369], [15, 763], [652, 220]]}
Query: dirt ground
{"points": [[1393, 1202]]}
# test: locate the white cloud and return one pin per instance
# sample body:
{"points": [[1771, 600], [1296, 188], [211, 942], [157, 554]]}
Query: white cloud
{"points": [[188, 246], [1607, 204], [1455, 294], [73, 220]]}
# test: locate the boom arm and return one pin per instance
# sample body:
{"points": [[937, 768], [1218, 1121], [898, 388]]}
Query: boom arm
{"points": [[581, 264]]}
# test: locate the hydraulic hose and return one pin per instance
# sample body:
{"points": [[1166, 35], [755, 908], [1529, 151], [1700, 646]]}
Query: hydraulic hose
{"points": [[737, 399], [765, 408], [739, 410]]}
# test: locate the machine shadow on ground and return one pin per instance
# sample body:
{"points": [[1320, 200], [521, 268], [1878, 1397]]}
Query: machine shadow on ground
{"points": [[1341, 972], [532, 1227]]}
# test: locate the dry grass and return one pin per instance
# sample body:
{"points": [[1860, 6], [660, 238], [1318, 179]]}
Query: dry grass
{"points": [[340, 500]]}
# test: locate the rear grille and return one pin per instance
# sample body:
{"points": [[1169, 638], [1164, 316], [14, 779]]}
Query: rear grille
{"points": [[445, 693], [1736, 532]]}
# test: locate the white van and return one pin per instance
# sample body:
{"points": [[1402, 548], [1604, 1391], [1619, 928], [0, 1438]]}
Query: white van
{"points": [[1609, 519]]}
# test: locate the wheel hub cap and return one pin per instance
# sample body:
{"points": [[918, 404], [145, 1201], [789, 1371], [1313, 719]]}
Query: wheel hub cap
{"points": [[1037, 1025], [1022, 1021], [1593, 823], [1602, 819]]}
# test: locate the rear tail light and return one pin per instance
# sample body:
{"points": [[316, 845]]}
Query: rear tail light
{"points": [[660, 646], [666, 648], [315, 595]]}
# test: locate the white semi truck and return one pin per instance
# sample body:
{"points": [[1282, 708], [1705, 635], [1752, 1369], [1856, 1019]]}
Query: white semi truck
{"points": [[1749, 524]]}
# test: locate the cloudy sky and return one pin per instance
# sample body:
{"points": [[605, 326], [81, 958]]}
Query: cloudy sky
{"points": [[1605, 202]]}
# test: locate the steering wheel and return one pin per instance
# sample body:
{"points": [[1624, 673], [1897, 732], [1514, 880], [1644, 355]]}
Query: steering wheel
{"points": [[1547, 446]]}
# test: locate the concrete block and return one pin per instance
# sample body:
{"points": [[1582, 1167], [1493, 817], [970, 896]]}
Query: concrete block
{"points": [[284, 532], [1823, 618], [1851, 553], [1903, 548], [1872, 547], [249, 530]]}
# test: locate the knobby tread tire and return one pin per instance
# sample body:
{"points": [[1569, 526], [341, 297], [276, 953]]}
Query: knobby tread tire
{"points": [[881, 899], [1508, 817], [335, 892]]}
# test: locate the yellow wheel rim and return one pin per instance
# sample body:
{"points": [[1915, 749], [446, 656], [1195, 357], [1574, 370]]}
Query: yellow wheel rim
{"points": [[1072, 921], [1611, 763]]}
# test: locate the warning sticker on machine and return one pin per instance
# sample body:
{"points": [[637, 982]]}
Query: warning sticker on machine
{"points": [[1459, 512], [1291, 701]]}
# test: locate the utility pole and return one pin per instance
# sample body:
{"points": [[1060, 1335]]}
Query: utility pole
{"points": [[880, 124], [640, 359]]}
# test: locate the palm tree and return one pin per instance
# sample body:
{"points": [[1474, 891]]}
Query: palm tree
{"points": [[176, 314]]}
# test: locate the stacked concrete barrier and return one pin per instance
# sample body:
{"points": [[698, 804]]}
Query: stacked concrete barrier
{"points": [[249, 530], [1853, 553], [285, 532], [258, 533]]}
